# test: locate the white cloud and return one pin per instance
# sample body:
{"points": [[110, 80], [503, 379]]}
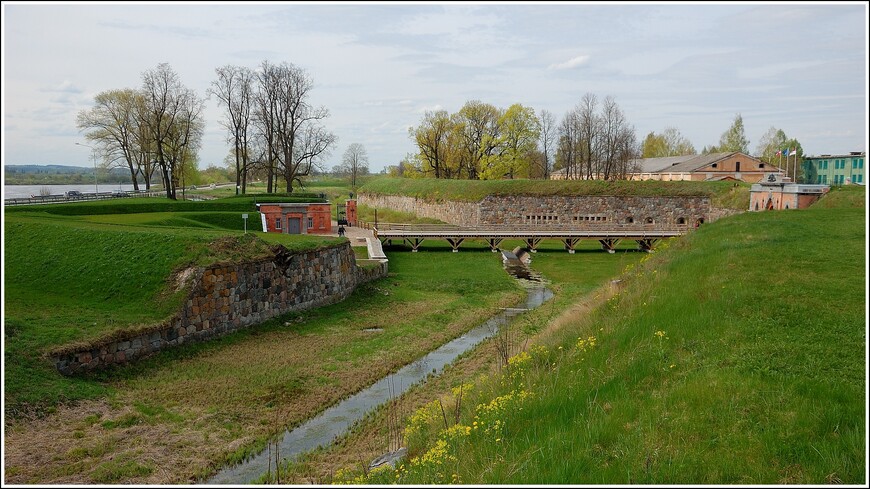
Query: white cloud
{"points": [[65, 87], [428, 108], [571, 63]]}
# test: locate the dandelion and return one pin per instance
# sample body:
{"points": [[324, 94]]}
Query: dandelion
{"points": [[672, 365], [660, 334]]}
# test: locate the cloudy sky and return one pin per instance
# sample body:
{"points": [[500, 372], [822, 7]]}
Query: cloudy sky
{"points": [[799, 67]]}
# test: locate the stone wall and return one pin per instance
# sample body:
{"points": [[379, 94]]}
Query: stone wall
{"points": [[226, 298], [459, 213], [561, 212]]}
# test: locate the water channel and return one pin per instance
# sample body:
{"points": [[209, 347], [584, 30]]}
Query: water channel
{"points": [[322, 429]]}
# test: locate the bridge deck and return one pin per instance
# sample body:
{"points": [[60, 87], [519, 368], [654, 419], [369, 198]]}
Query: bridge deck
{"points": [[455, 235]]}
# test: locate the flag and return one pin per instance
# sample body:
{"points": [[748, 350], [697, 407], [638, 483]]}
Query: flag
{"points": [[793, 152], [785, 152], [778, 152]]}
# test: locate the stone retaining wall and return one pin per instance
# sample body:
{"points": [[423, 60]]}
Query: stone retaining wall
{"points": [[584, 212], [459, 213], [226, 298]]}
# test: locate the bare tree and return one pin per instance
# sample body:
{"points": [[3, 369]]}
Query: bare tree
{"points": [[566, 145], [355, 163], [234, 90], [547, 141], [312, 144], [295, 117], [145, 157], [265, 116], [588, 129], [164, 98], [185, 137], [113, 125]]}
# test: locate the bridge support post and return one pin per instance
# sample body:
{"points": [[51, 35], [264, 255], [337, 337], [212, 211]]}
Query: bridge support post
{"points": [[455, 242], [415, 243], [609, 243], [493, 244], [570, 243], [647, 244], [533, 243]]}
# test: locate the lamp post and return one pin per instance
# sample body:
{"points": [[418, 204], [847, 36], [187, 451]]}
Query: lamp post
{"points": [[94, 154]]}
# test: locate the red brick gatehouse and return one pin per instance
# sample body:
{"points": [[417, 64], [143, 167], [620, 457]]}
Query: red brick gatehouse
{"points": [[296, 218]]}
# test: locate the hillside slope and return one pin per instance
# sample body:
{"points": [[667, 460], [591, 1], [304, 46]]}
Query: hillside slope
{"points": [[735, 356]]}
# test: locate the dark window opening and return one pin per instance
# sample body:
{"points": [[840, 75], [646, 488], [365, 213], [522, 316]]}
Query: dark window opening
{"points": [[738, 166], [650, 220], [715, 165], [681, 220], [629, 220]]}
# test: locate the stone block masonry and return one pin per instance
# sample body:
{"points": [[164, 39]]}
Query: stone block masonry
{"points": [[582, 212], [230, 297]]}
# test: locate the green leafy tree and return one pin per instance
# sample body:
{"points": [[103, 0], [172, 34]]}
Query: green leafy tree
{"points": [[431, 137], [520, 130], [668, 143], [477, 127], [734, 139], [772, 142]]}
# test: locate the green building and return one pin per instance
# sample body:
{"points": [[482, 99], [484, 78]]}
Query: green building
{"points": [[835, 169]]}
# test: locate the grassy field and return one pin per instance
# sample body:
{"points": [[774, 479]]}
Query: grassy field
{"points": [[723, 194], [733, 356], [76, 277], [186, 411], [786, 402]]}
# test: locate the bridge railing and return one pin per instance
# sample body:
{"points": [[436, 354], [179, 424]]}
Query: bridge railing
{"points": [[524, 228]]}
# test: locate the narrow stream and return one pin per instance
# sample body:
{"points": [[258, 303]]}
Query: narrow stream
{"points": [[322, 429]]}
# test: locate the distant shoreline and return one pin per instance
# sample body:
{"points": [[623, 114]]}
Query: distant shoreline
{"points": [[62, 175]]}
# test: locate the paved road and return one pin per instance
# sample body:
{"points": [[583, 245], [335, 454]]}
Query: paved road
{"points": [[356, 235]]}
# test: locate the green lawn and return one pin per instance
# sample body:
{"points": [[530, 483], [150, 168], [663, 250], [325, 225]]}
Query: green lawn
{"points": [[735, 355], [723, 194], [195, 407], [77, 277]]}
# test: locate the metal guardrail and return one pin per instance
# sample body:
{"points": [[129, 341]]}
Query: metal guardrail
{"points": [[60, 199]]}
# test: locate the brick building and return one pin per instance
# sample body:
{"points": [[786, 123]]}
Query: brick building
{"points": [[735, 166], [296, 218], [779, 193]]}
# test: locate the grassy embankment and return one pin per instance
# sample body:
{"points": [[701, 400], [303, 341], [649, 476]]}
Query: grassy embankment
{"points": [[186, 411], [723, 194], [77, 271], [735, 356]]}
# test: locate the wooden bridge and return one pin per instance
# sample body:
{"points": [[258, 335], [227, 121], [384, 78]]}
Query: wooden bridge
{"points": [[415, 234]]}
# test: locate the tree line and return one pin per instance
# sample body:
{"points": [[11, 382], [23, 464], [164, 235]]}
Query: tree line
{"points": [[593, 140], [157, 129], [482, 141], [277, 134]]}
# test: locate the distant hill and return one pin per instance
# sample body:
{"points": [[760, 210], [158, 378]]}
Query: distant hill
{"points": [[60, 174], [57, 169]]}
